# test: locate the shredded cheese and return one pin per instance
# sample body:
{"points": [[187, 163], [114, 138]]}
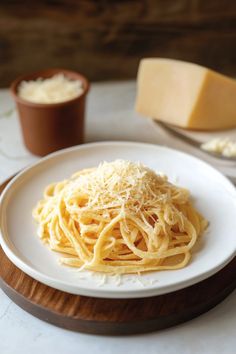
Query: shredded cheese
{"points": [[121, 184], [56, 89]]}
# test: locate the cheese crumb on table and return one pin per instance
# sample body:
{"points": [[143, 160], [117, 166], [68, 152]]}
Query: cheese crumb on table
{"points": [[55, 89]]}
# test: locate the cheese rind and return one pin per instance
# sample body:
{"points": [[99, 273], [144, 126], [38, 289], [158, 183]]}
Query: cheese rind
{"points": [[186, 95]]}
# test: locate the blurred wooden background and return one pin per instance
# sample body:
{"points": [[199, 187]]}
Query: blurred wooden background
{"points": [[106, 39]]}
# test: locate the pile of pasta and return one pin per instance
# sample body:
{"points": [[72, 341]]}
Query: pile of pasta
{"points": [[120, 217]]}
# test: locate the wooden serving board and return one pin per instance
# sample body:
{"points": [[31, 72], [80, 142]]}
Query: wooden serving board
{"points": [[113, 316]]}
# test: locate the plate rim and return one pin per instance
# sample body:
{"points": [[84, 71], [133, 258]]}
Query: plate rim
{"points": [[101, 292]]}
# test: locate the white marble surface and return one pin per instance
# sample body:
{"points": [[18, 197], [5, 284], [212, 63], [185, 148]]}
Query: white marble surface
{"points": [[110, 116]]}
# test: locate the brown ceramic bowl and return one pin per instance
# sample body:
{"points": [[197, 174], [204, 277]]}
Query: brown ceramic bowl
{"points": [[50, 127]]}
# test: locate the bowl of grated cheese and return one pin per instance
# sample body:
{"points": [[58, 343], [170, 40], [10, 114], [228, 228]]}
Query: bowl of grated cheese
{"points": [[51, 109]]}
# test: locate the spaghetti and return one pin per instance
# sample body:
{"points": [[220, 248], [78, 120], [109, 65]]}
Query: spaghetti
{"points": [[120, 217]]}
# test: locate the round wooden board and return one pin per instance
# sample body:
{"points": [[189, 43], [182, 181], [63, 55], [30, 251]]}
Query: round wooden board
{"points": [[113, 316]]}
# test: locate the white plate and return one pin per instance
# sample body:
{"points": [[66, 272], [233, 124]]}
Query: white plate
{"points": [[214, 196]]}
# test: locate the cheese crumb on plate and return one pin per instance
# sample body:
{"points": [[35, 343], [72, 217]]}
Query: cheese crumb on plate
{"points": [[222, 146]]}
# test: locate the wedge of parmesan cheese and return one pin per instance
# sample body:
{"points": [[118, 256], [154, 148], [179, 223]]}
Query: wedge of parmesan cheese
{"points": [[186, 95]]}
